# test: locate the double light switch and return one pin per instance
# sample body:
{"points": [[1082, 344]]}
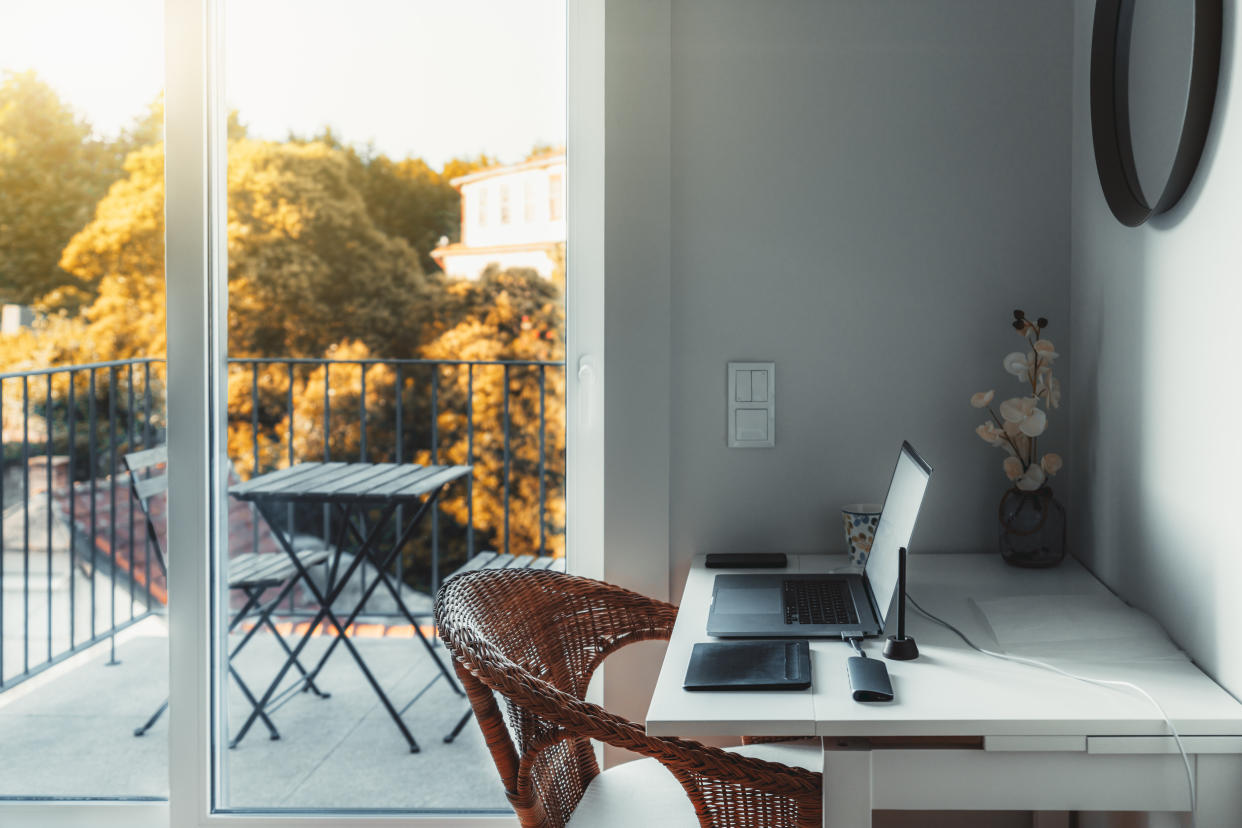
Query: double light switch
{"points": [[752, 404]]}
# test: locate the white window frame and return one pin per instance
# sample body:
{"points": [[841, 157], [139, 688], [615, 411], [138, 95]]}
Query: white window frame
{"points": [[528, 198], [195, 263], [506, 203], [196, 266], [556, 197]]}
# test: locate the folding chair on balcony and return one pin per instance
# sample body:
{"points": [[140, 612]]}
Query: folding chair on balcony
{"points": [[253, 574]]}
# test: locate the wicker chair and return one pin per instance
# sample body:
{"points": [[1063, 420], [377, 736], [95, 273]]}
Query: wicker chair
{"points": [[535, 638]]}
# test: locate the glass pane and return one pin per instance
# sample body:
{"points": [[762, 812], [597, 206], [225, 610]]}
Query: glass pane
{"points": [[396, 249], [83, 655]]}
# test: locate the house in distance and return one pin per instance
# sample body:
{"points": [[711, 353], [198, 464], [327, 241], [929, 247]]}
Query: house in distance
{"points": [[511, 216]]}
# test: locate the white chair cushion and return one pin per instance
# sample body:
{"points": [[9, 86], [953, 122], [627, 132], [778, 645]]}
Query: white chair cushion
{"points": [[644, 793]]}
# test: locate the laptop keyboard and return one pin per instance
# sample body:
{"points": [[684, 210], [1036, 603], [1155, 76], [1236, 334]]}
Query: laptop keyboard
{"points": [[818, 602]]}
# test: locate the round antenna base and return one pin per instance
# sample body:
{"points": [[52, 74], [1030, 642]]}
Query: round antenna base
{"points": [[900, 649]]}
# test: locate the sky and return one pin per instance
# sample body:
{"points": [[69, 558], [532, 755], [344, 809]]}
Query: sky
{"points": [[430, 78]]}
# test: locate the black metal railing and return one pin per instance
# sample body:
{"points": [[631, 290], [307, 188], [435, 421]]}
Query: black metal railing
{"points": [[66, 430], [63, 430]]}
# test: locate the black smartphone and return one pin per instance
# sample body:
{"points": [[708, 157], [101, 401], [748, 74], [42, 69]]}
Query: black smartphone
{"points": [[747, 560]]}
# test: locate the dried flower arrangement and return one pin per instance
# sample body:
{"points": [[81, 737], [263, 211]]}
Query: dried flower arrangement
{"points": [[1021, 420]]}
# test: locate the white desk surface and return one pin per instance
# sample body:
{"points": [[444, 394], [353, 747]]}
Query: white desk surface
{"points": [[950, 690]]}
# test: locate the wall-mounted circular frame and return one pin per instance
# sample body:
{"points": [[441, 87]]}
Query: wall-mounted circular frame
{"points": [[1110, 107]]}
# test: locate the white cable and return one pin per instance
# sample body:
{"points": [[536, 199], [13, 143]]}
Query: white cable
{"points": [[1190, 777]]}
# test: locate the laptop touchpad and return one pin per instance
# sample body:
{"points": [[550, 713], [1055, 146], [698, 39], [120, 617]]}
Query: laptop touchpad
{"points": [[750, 601]]}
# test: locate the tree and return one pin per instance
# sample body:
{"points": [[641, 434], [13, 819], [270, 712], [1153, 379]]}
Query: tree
{"points": [[308, 268], [410, 200], [118, 262], [464, 165], [51, 175], [303, 244], [544, 150], [147, 130], [406, 199], [505, 315]]}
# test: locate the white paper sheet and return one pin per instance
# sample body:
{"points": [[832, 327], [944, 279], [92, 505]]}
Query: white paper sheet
{"points": [[1075, 626]]}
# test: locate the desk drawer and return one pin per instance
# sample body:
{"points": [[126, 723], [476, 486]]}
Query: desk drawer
{"points": [[1163, 744], [1036, 744]]}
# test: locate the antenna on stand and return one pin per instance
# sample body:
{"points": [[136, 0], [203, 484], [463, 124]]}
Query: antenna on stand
{"points": [[901, 647]]}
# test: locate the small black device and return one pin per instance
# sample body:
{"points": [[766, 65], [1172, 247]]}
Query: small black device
{"points": [[868, 676], [769, 664], [901, 647], [746, 560], [869, 679]]}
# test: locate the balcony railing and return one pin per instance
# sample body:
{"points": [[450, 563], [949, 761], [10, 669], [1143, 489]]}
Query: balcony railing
{"points": [[76, 565]]}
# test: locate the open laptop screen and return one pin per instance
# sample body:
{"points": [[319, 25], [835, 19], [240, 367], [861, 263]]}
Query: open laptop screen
{"points": [[901, 510]]}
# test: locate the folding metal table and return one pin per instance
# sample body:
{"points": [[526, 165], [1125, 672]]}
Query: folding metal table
{"points": [[351, 489]]}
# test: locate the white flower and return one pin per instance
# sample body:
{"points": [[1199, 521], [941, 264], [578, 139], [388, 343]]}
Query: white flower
{"points": [[1031, 479], [1025, 414], [1013, 468], [990, 434], [1019, 365], [1049, 387], [1045, 351], [1051, 463], [1034, 425], [1017, 409], [982, 399]]}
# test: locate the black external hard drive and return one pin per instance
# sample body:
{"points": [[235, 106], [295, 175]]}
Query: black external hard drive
{"points": [[768, 664], [869, 680]]}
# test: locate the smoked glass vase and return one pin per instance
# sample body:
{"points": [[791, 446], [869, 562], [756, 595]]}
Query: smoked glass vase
{"points": [[1032, 528]]}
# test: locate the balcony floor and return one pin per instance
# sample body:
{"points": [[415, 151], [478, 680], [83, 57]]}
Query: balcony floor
{"points": [[69, 731]]}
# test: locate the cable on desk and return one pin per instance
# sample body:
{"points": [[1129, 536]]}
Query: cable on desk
{"points": [[1190, 777]]}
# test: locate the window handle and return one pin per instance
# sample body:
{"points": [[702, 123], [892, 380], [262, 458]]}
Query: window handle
{"points": [[586, 390]]}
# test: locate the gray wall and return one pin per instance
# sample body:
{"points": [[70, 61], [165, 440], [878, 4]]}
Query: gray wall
{"points": [[1155, 333], [637, 329], [861, 192]]}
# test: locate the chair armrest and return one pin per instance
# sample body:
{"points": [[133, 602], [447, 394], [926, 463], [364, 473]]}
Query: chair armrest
{"points": [[635, 617]]}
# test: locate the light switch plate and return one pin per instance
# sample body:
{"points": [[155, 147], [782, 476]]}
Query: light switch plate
{"points": [[752, 404]]}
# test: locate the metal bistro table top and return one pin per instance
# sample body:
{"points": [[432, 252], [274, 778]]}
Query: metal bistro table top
{"points": [[370, 483]]}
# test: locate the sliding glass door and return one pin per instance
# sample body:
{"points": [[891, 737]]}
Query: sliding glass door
{"points": [[370, 298], [83, 596]]}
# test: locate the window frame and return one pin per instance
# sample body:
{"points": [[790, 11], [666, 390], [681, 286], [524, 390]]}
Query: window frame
{"points": [[197, 267], [556, 196], [195, 218], [506, 203]]}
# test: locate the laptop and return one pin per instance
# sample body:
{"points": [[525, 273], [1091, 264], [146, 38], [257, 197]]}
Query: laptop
{"points": [[788, 605]]}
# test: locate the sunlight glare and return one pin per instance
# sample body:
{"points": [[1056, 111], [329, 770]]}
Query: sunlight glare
{"points": [[105, 59]]}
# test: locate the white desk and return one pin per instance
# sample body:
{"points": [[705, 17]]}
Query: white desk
{"points": [[1038, 741]]}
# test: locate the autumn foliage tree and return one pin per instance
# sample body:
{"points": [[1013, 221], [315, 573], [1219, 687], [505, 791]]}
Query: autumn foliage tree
{"points": [[406, 198], [328, 252], [51, 174], [513, 316], [307, 266]]}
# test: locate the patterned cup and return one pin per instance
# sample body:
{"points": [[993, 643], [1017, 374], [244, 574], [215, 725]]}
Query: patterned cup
{"points": [[860, 520]]}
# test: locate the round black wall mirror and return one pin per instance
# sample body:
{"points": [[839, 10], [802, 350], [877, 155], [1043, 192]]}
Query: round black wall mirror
{"points": [[1154, 70]]}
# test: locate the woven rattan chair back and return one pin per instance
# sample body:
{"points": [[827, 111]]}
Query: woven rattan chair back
{"points": [[535, 638]]}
